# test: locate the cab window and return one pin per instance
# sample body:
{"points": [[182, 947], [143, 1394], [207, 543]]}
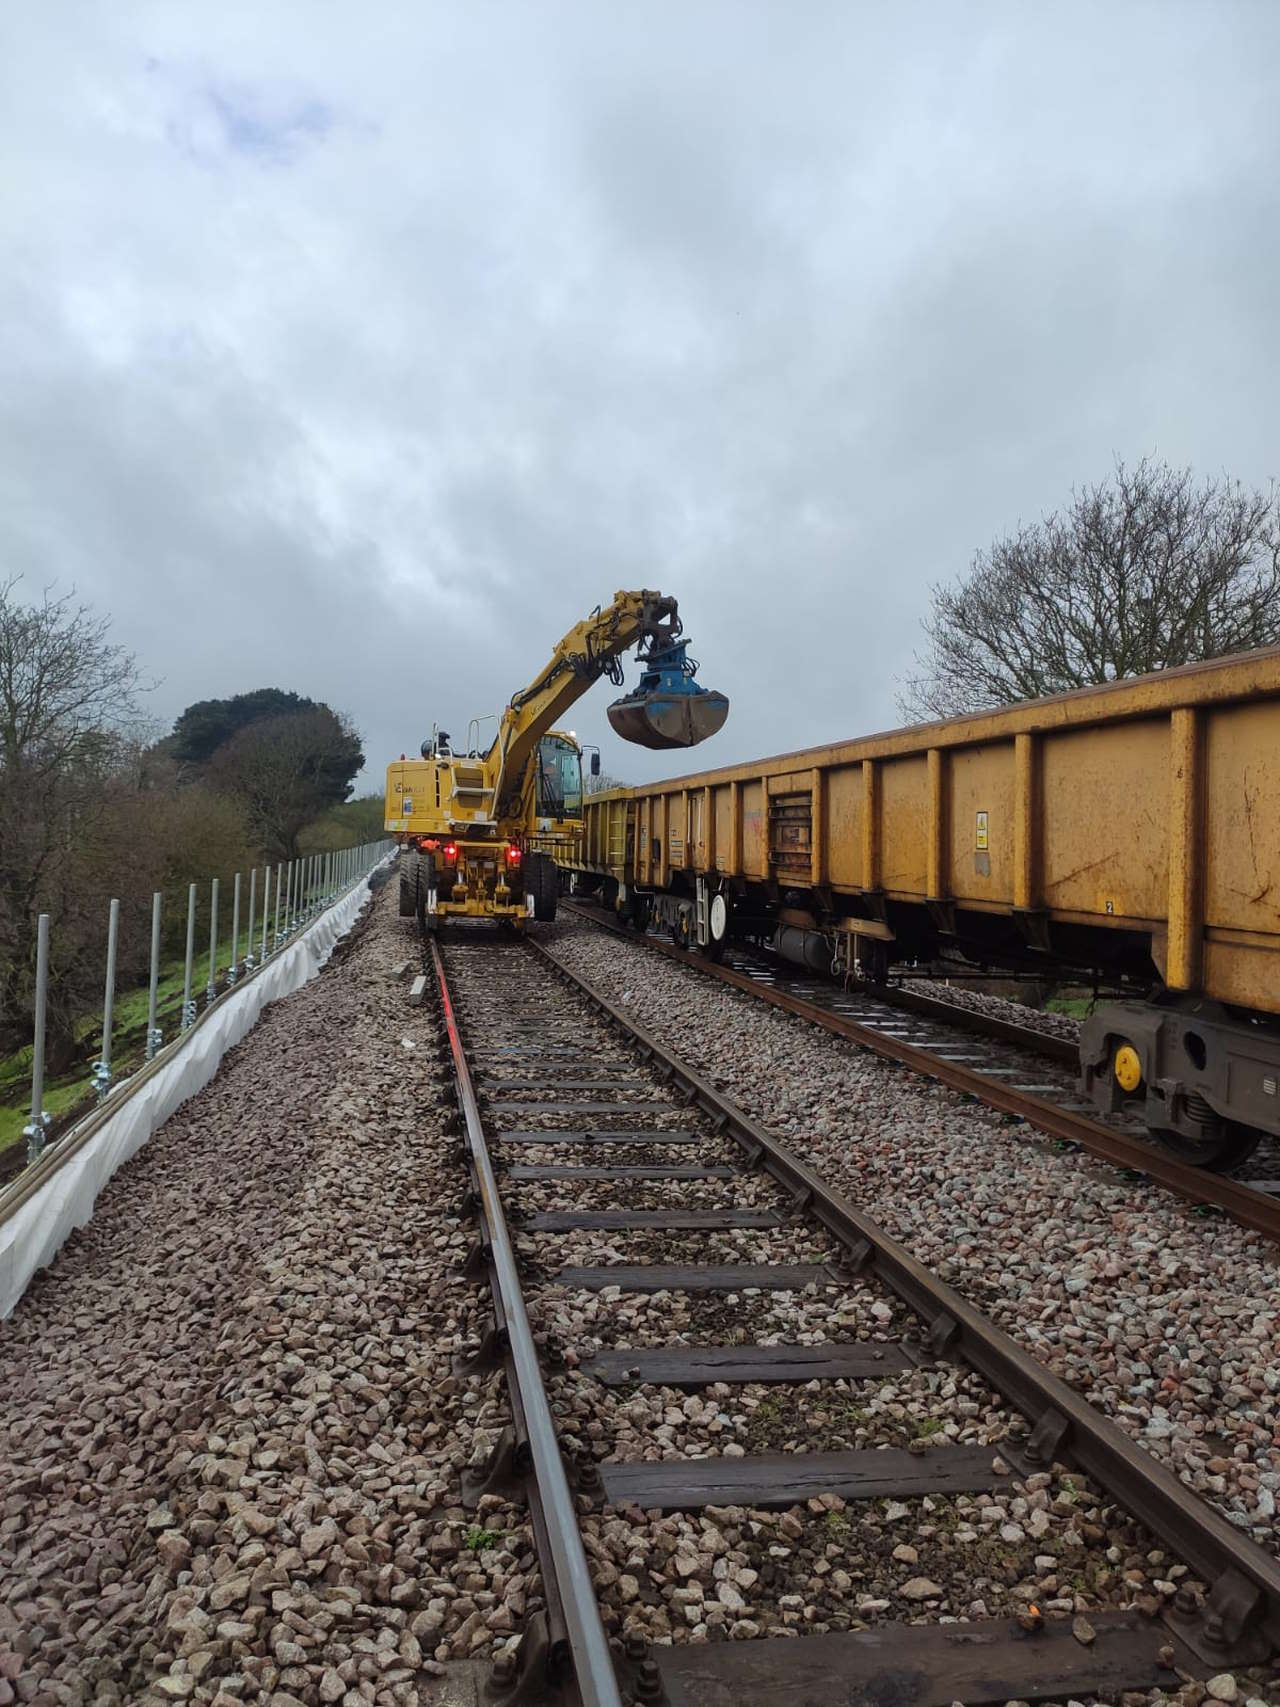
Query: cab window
{"points": [[559, 779]]}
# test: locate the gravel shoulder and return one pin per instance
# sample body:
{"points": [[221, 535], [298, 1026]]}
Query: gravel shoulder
{"points": [[1166, 1320], [229, 1430]]}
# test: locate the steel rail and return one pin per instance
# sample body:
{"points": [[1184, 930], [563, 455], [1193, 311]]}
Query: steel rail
{"points": [[593, 1664], [1045, 1043], [1252, 1209], [1200, 1536]]}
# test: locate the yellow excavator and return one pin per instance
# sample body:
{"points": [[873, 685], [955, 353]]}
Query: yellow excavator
{"points": [[467, 821]]}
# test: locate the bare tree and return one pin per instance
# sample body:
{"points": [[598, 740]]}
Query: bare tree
{"points": [[68, 700], [603, 783], [1140, 572]]}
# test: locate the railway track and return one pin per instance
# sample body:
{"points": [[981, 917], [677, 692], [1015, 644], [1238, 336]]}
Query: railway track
{"points": [[741, 1410], [929, 1037]]}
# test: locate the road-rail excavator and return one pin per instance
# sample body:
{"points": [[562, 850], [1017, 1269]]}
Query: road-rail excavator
{"points": [[475, 828]]}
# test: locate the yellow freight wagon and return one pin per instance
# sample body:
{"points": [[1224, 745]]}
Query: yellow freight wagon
{"points": [[1130, 831]]}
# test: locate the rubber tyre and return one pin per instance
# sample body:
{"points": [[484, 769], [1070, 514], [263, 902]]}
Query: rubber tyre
{"points": [[1218, 1152], [545, 888], [408, 883]]}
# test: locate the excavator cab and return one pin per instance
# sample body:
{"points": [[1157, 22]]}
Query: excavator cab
{"points": [[667, 707]]}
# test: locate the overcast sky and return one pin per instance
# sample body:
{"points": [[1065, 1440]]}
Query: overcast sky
{"points": [[360, 350]]}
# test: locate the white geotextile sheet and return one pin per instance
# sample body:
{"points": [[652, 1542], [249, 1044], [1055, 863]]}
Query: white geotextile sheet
{"points": [[34, 1233]]}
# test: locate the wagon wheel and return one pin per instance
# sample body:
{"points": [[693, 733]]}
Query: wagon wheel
{"points": [[1221, 1149]]}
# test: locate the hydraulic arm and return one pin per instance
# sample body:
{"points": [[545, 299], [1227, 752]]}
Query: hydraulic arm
{"points": [[668, 709]]}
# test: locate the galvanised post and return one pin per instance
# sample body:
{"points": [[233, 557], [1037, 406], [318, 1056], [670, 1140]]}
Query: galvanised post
{"points": [[211, 989], [34, 1130], [266, 910], [102, 1072], [235, 932], [248, 941], [278, 938], [188, 1006], [153, 1030]]}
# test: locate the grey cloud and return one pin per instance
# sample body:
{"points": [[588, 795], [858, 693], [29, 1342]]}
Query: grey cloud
{"points": [[364, 359]]}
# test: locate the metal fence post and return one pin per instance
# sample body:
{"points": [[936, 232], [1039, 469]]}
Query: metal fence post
{"points": [[279, 869], [235, 932], [188, 1006], [211, 990], [266, 908], [248, 940], [153, 1030], [102, 1072], [34, 1130]]}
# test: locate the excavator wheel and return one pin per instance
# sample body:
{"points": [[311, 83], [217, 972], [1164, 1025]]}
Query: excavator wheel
{"points": [[544, 885], [408, 883]]}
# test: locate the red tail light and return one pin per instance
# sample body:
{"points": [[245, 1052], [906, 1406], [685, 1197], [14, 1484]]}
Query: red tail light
{"points": [[427, 844], [451, 851], [513, 856]]}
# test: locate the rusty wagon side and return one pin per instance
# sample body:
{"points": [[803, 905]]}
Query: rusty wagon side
{"points": [[1131, 830]]}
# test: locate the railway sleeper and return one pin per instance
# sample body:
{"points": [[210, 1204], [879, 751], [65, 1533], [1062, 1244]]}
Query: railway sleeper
{"points": [[1028, 1657]]}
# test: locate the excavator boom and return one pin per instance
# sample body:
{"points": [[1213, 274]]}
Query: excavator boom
{"points": [[667, 708]]}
